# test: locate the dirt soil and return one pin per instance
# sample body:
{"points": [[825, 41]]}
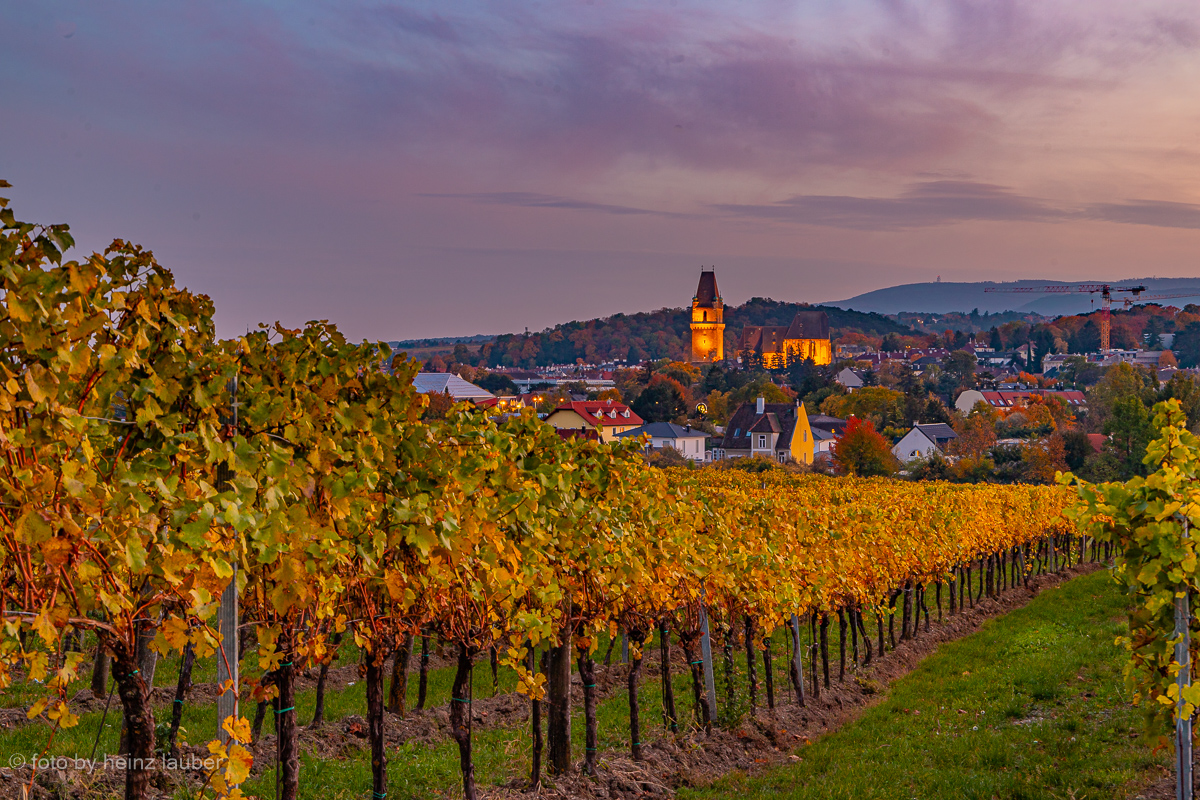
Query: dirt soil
{"points": [[691, 758], [1164, 787]]}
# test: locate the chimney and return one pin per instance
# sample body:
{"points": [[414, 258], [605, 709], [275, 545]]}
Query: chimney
{"points": [[759, 407]]}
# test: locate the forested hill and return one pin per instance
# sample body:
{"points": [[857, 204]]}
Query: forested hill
{"points": [[659, 334]]}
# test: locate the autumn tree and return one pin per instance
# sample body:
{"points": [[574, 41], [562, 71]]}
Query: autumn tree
{"points": [[663, 400], [976, 434], [1183, 387], [1119, 381], [1129, 430], [686, 374], [863, 451], [1187, 344], [1042, 460], [881, 406]]}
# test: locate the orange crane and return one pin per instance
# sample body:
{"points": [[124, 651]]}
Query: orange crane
{"points": [[1105, 291]]}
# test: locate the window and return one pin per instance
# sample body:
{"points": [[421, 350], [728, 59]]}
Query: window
{"points": [[762, 440]]}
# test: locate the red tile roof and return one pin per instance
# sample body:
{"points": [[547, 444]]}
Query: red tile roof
{"points": [[602, 412], [1010, 399]]}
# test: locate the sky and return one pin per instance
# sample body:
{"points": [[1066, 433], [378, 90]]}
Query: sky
{"points": [[413, 170]]}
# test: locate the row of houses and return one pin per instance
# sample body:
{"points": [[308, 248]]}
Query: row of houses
{"points": [[782, 432]]}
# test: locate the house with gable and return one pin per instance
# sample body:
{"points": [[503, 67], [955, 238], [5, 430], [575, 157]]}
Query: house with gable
{"points": [[779, 431], [924, 441], [604, 417], [684, 439], [850, 378]]}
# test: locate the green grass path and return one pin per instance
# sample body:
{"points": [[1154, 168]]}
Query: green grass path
{"points": [[1031, 706]]}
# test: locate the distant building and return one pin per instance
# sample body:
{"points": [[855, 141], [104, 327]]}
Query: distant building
{"points": [[835, 425], [708, 321], [850, 378], [449, 383], [1054, 362], [777, 346], [1010, 399], [688, 441], [875, 360], [604, 417], [924, 441], [851, 350], [823, 442], [826, 431], [779, 431]]}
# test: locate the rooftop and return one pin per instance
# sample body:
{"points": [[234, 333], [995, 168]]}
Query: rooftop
{"points": [[665, 430], [449, 383]]}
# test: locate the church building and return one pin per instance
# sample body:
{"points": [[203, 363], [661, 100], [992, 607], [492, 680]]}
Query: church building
{"points": [[777, 346], [708, 325]]}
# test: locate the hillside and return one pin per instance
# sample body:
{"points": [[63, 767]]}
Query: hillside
{"points": [[660, 334], [944, 297]]}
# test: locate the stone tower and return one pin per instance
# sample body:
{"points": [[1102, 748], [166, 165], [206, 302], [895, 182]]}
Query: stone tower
{"points": [[708, 323]]}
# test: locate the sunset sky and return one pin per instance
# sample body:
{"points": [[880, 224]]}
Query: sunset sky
{"points": [[451, 168]]}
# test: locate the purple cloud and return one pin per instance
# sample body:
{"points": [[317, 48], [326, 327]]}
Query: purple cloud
{"points": [[409, 133], [1147, 212], [944, 202], [536, 200], [929, 203]]}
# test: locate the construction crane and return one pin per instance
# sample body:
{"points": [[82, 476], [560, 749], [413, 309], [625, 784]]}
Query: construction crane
{"points": [[1103, 289], [1152, 297]]}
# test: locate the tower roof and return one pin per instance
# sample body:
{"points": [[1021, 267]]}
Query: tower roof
{"points": [[707, 291]]}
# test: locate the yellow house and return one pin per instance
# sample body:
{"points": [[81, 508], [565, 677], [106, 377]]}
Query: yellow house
{"points": [[780, 431], [604, 417]]}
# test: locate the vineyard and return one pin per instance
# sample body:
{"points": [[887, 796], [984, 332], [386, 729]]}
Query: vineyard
{"points": [[148, 466]]}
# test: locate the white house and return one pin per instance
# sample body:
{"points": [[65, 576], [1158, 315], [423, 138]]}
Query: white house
{"points": [[686, 439], [924, 441], [823, 442], [850, 378]]}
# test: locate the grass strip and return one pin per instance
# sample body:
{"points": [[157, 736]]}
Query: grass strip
{"points": [[1031, 706]]}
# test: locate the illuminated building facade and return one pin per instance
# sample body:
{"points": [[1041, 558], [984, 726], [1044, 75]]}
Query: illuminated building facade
{"points": [[708, 321], [776, 346]]}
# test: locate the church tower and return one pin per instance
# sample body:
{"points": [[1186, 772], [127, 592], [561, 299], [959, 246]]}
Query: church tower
{"points": [[708, 325]]}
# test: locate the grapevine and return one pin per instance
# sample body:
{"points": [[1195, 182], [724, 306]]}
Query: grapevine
{"points": [[346, 509]]}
